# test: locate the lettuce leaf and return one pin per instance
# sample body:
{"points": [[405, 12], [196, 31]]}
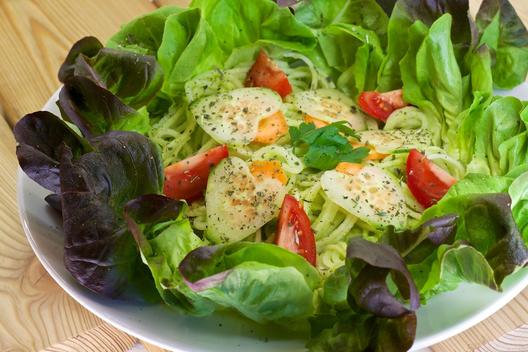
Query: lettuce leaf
{"points": [[504, 33], [95, 110], [491, 135], [360, 13], [164, 236], [403, 16], [262, 281], [98, 250], [202, 37], [487, 225], [41, 138], [375, 320], [518, 192], [350, 36], [133, 77], [143, 35]]}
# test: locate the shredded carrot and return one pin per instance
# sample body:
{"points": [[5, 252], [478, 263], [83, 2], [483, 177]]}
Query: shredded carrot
{"points": [[271, 128], [268, 169], [318, 123], [348, 168]]}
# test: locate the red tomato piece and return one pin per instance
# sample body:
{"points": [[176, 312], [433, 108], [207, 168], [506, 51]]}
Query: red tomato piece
{"points": [[381, 105], [294, 230], [187, 179], [264, 73], [427, 182]]}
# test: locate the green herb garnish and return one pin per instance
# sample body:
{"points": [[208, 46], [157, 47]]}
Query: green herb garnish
{"points": [[323, 148]]}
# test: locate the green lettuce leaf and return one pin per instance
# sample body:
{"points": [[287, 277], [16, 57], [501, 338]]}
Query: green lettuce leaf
{"points": [[504, 33], [518, 192], [366, 14], [238, 23], [202, 37], [453, 265], [143, 35], [189, 46], [438, 75], [489, 136], [262, 281], [350, 36], [164, 236], [403, 16]]}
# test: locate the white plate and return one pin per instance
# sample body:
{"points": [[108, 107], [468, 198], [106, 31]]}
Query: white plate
{"points": [[444, 316]]}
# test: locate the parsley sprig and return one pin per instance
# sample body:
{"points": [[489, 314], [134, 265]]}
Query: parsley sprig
{"points": [[323, 148]]}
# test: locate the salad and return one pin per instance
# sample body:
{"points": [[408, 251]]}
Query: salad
{"points": [[317, 165]]}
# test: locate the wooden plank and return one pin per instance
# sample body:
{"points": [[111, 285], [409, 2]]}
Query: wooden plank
{"points": [[508, 318], [102, 338], [514, 341], [36, 36]]}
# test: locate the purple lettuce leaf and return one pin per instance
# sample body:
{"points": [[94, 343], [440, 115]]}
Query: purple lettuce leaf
{"points": [[95, 110], [370, 291], [415, 245], [99, 251], [41, 138], [133, 77]]}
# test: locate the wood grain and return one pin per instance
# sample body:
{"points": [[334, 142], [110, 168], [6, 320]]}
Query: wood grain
{"points": [[35, 37], [514, 341], [102, 338]]}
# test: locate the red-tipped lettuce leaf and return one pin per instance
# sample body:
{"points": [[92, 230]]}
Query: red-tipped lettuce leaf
{"points": [[96, 110], [414, 245], [99, 251], [504, 33], [373, 295], [164, 236], [133, 77], [41, 137]]}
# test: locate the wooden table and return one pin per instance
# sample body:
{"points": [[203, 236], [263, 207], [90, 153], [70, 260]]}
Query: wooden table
{"points": [[35, 313]]}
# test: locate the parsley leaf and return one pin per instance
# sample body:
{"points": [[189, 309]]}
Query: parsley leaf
{"points": [[323, 148]]}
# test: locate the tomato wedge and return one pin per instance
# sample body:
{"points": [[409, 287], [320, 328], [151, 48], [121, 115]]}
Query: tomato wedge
{"points": [[264, 73], [187, 179], [427, 182], [381, 105], [294, 230]]}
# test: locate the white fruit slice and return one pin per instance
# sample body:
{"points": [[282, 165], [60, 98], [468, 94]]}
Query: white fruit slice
{"points": [[387, 141], [234, 117], [329, 105], [237, 204], [371, 195]]}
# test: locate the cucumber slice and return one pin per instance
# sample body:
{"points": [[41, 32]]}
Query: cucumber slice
{"points": [[234, 117], [329, 105], [386, 141], [237, 204], [211, 83], [371, 195]]}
